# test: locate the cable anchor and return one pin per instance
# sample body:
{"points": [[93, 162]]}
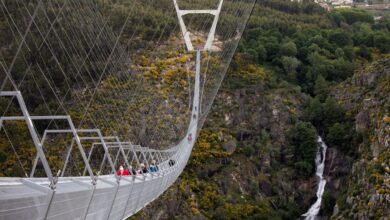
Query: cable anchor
{"points": [[54, 182]]}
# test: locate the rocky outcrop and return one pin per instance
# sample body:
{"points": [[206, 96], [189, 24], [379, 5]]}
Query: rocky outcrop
{"points": [[336, 169], [362, 121], [368, 188], [256, 173]]}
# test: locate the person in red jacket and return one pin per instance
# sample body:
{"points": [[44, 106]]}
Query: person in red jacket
{"points": [[189, 138], [122, 172]]}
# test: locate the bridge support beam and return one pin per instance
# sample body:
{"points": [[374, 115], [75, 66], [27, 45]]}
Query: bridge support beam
{"points": [[75, 139], [26, 117], [186, 34]]}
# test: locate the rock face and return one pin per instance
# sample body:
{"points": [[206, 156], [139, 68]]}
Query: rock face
{"points": [[365, 79], [242, 166], [243, 160], [362, 121], [336, 167], [368, 188]]}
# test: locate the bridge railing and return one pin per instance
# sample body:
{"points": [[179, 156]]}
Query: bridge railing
{"points": [[38, 143]]}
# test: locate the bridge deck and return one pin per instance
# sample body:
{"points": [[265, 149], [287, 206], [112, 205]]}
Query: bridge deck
{"points": [[77, 197]]}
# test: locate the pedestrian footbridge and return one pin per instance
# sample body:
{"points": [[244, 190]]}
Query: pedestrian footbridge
{"points": [[97, 197]]}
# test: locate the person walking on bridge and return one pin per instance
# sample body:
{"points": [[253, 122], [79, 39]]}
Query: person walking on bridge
{"points": [[122, 172], [153, 167], [143, 169], [189, 138]]}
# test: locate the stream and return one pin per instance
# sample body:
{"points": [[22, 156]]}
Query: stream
{"points": [[320, 166]]}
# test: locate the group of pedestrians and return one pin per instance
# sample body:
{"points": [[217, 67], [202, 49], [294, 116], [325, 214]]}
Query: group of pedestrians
{"points": [[153, 168]]}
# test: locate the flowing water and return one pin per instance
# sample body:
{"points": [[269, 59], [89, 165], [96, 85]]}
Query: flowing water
{"points": [[320, 166]]}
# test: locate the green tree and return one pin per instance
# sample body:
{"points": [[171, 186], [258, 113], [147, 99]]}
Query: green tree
{"points": [[352, 15], [321, 88], [341, 70], [332, 112], [261, 54], [254, 54], [343, 136], [363, 34], [290, 64], [314, 112], [339, 53], [349, 53], [382, 41], [340, 37], [272, 47], [288, 49], [303, 137]]}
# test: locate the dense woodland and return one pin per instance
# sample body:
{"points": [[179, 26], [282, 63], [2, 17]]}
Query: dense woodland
{"points": [[316, 50]]}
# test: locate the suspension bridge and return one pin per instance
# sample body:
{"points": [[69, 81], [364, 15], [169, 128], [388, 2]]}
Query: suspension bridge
{"points": [[59, 76]]}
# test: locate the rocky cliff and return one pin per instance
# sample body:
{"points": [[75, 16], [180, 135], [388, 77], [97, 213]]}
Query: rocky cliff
{"points": [[241, 167], [367, 97]]}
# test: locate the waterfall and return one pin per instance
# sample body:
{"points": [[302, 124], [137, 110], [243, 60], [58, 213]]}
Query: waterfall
{"points": [[320, 166]]}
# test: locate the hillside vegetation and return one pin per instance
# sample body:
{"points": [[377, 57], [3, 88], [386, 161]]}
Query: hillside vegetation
{"points": [[288, 82], [299, 72]]}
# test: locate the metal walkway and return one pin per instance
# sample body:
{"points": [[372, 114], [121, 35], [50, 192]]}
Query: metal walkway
{"points": [[95, 197]]}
